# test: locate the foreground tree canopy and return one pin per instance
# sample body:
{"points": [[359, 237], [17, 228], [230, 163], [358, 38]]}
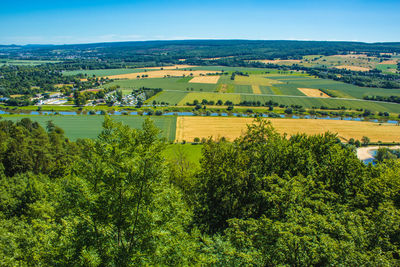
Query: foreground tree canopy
{"points": [[264, 199]]}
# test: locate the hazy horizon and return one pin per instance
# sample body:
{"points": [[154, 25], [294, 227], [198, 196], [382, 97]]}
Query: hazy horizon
{"points": [[195, 39]]}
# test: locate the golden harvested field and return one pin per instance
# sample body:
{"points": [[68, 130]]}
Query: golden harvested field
{"points": [[279, 61], [232, 127], [313, 92], [63, 84], [352, 56], [256, 89], [388, 62], [353, 68], [205, 79], [162, 74]]}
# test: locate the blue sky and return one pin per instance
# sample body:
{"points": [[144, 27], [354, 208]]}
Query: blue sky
{"points": [[84, 21]]}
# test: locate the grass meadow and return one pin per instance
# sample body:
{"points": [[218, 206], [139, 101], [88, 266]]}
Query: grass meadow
{"points": [[192, 152], [89, 126]]}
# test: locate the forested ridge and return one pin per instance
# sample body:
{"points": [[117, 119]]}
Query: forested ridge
{"points": [[263, 199], [173, 50]]}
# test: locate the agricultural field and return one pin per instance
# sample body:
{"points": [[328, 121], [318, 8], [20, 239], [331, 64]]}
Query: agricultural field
{"points": [[262, 85], [353, 68], [190, 97], [161, 74], [205, 79], [310, 102], [281, 62], [170, 97], [387, 68], [343, 90], [355, 62], [174, 84], [174, 67], [313, 92], [192, 152], [89, 126], [189, 128], [181, 98]]}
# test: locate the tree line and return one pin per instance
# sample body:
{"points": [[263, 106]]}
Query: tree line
{"points": [[263, 199]]}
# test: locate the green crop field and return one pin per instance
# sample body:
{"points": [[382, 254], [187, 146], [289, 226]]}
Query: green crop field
{"points": [[267, 90], [309, 102], [190, 151], [89, 126], [170, 97], [190, 97], [279, 86], [241, 88], [290, 85], [178, 84], [386, 66]]}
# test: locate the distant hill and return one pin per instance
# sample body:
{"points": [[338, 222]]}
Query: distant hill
{"points": [[244, 49]]}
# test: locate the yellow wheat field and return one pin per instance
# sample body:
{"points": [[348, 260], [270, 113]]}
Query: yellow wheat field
{"points": [[390, 62], [313, 92], [354, 68], [205, 79], [256, 89], [280, 61], [232, 127], [352, 56]]}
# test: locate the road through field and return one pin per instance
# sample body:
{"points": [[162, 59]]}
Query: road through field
{"points": [[189, 128]]}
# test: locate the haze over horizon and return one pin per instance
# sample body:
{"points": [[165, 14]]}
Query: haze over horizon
{"points": [[75, 22]]}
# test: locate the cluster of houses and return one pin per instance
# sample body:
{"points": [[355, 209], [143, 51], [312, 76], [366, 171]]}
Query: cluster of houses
{"points": [[128, 100], [53, 99]]}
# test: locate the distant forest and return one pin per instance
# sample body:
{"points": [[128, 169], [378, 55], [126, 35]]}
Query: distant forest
{"points": [[171, 51]]}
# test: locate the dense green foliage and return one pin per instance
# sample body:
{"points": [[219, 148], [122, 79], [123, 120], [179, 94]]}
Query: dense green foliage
{"points": [[30, 80], [263, 199], [362, 79], [392, 98]]}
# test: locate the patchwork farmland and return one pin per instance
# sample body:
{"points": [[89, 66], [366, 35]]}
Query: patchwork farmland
{"points": [[259, 85], [186, 128]]}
